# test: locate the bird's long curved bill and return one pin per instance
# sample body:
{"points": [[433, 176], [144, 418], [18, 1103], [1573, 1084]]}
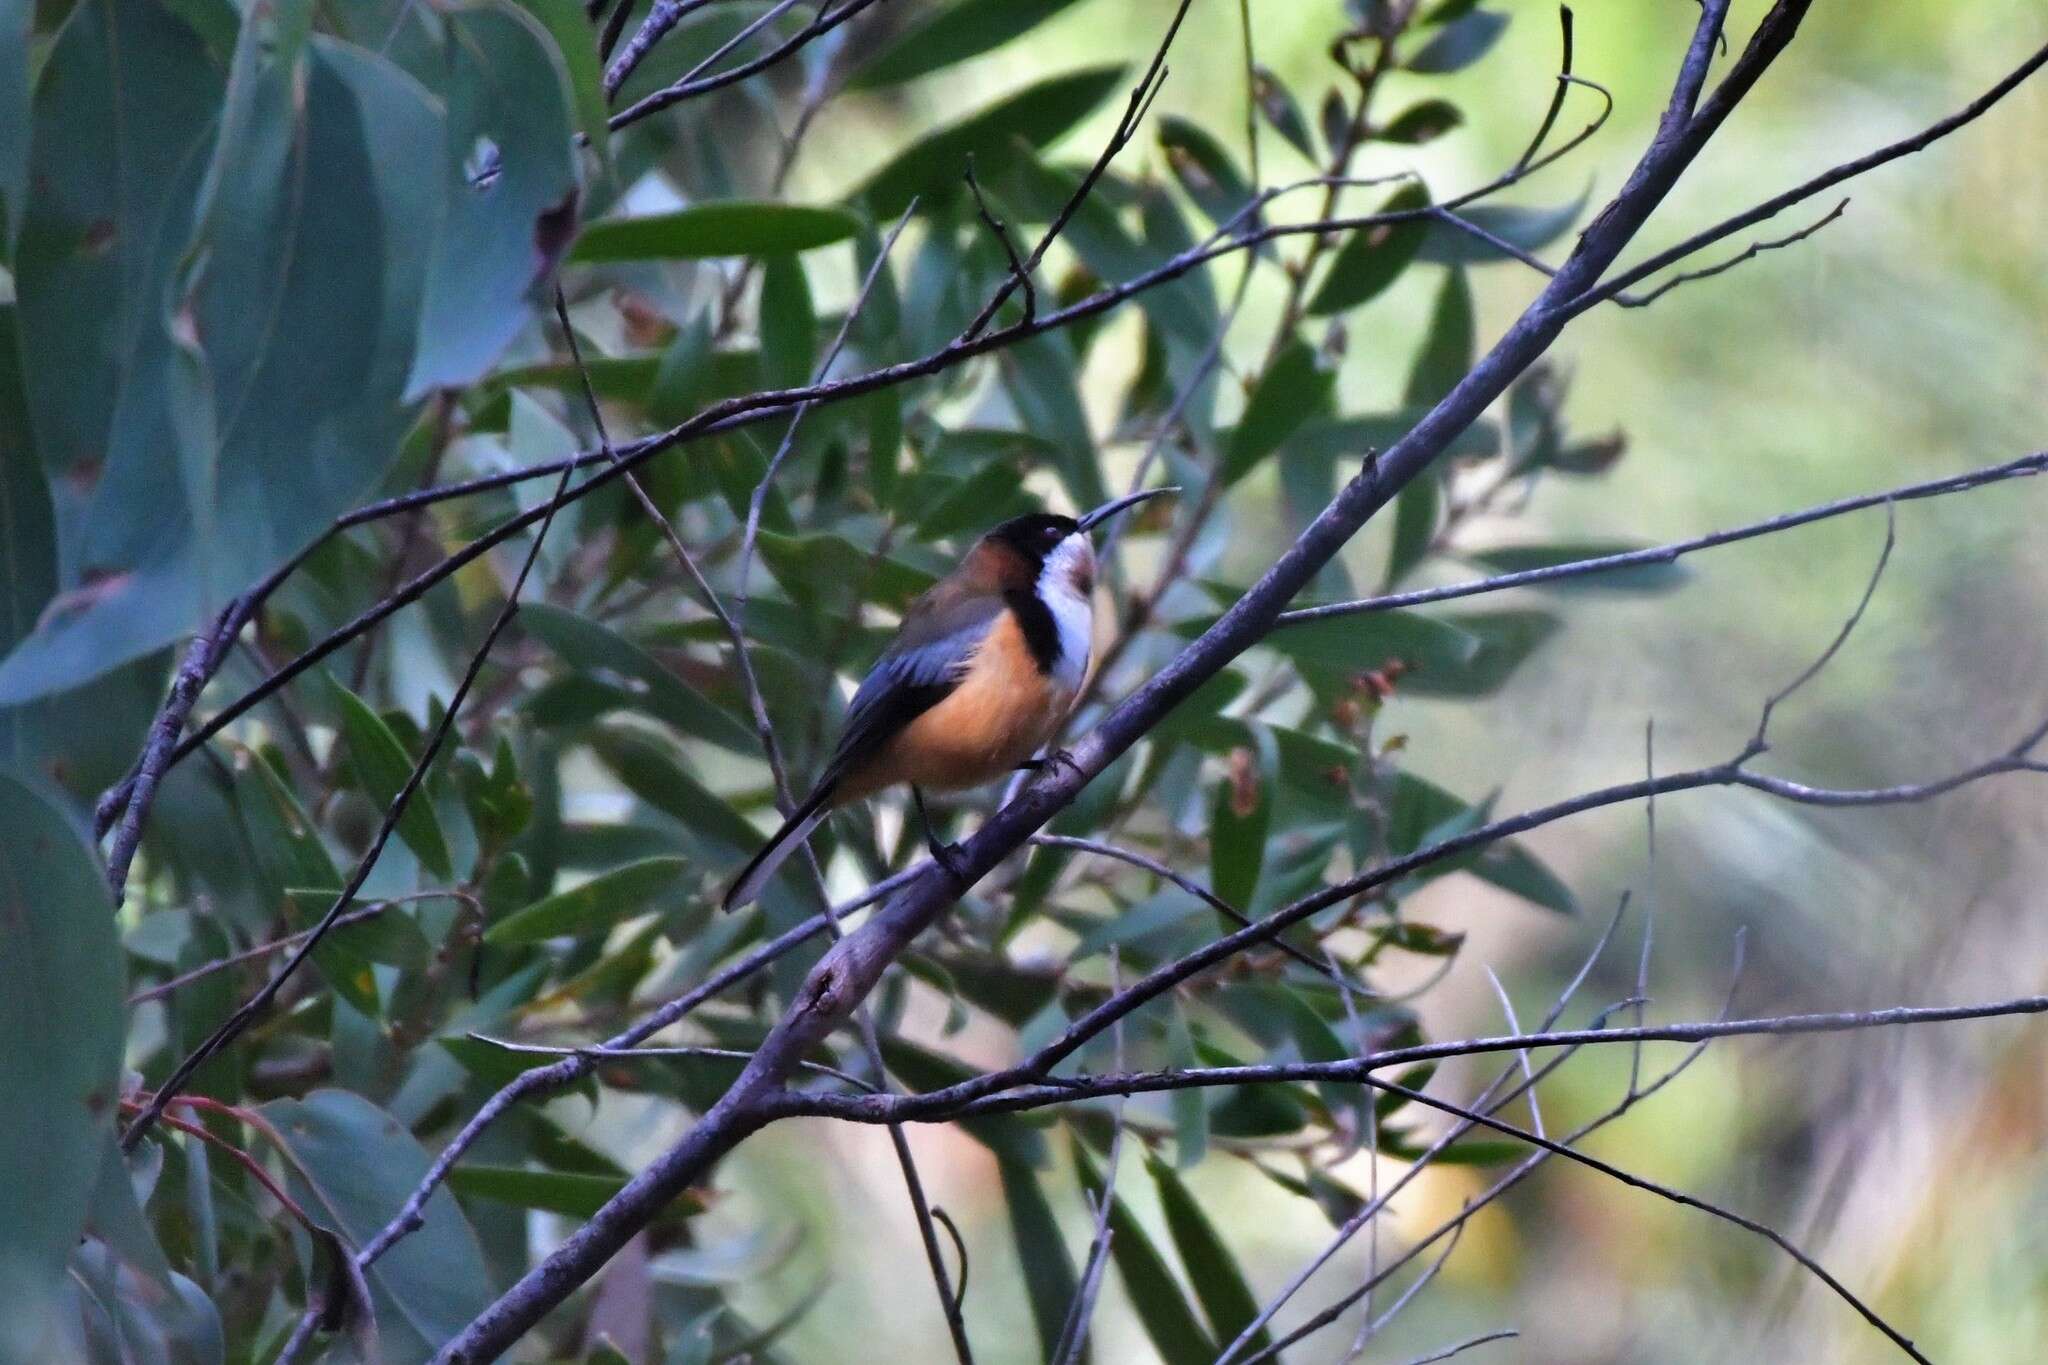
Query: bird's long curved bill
{"points": [[1110, 509]]}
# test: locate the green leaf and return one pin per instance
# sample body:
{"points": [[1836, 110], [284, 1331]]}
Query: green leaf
{"points": [[17, 20], [356, 1165], [1162, 1308], [1416, 513], [930, 169], [1040, 376], [593, 648], [598, 903], [1203, 168], [1447, 348], [1240, 816], [194, 441], [1220, 1286], [575, 39], [1512, 867], [60, 1007], [509, 105], [830, 568], [382, 766], [1653, 577], [955, 34], [650, 773], [1531, 229], [1280, 109], [1294, 389], [1190, 1105], [1372, 258], [1506, 640], [1421, 811], [1426, 644], [789, 324], [1459, 43], [731, 227], [577, 1194], [1049, 1278], [1422, 122], [1468, 1152]]}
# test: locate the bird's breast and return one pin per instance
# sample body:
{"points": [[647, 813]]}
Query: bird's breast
{"points": [[1004, 708]]}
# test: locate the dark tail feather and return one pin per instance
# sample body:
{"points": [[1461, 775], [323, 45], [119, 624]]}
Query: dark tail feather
{"points": [[785, 841]]}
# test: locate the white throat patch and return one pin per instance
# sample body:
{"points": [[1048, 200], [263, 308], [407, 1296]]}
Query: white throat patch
{"points": [[1073, 612]]}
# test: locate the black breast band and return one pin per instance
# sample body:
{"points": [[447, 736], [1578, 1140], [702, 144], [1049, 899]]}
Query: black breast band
{"points": [[1041, 632]]}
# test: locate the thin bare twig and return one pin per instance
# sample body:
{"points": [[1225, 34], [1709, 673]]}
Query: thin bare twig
{"points": [[131, 799], [2025, 467], [1759, 741], [1459, 1348], [1820, 184], [1750, 253]]}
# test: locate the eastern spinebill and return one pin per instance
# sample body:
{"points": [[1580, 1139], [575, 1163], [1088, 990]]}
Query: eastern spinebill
{"points": [[984, 668]]}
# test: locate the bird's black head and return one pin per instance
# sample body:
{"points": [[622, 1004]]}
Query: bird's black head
{"points": [[1036, 535]]}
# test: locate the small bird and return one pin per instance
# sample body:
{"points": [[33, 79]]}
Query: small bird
{"points": [[984, 668]]}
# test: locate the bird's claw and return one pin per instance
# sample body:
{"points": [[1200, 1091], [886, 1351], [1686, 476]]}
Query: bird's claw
{"points": [[948, 856], [1056, 758]]}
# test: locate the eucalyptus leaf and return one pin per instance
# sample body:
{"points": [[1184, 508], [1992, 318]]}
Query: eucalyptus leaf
{"points": [[511, 188], [596, 649], [355, 1165], [1294, 388], [194, 442], [60, 1004]]}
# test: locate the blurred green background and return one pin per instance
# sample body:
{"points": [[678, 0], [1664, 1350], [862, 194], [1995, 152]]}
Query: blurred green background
{"points": [[1907, 340]]}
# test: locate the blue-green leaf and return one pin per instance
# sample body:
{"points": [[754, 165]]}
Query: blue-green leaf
{"points": [[17, 20], [61, 1010], [194, 440], [356, 1165], [1459, 43], [510, 179]]}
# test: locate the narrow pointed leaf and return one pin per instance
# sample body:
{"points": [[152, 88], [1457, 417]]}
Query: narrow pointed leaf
{"points": [[1226, 1299], [382, 766], [598, 903]]}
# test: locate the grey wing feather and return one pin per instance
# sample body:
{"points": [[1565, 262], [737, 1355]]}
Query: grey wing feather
{"points": [[920, 666]]}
